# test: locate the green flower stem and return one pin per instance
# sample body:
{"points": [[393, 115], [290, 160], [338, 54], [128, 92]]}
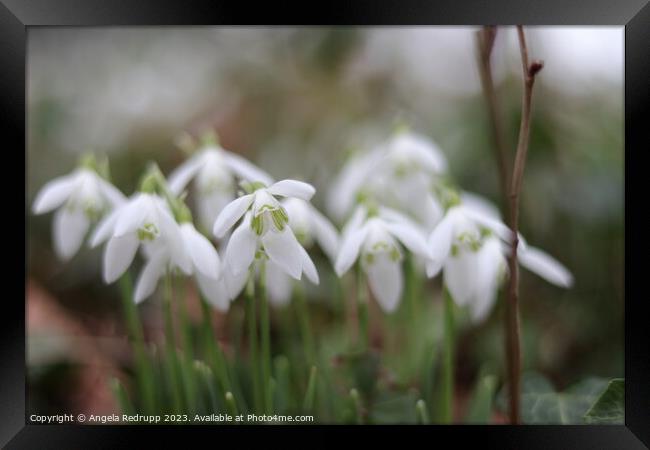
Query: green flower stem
{"points": [[188, 373], [411, 293], [252, 340], [231, 404], [172, 357], [266, 341], [144, 374], [305, 325], [355, 398], [422, 414], [122, 397], [362, 308], [215, 355], [448, 359], [207, 378], [283, 384], [186, 328], [310, 395]]}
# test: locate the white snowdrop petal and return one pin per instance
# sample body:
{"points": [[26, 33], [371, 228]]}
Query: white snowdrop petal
{"points": [[308, 267], [118, 256], [54, 193], [69, 229], [480, 204], [342, 195], [214, 291], [245, 169], [500, 228], [432, 211], [104, 229], [545, 266], [181, 176], [392, 215], [422, 150], [132, 215], [325, 234], [149, 276], [411, 237], [490, 266], [110, 193], [386, 281], [284, 249], [234, 283], [279, 284], [293, 188], [355, 222], [242, 245], [440, 240], [263, 201], [203, 254], [170, 234], [349, 250], [459, 275], [210, 205], [231, 214], [433, 268]]}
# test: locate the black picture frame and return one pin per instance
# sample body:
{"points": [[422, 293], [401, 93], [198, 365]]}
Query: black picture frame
{"points": [[18, 16]]}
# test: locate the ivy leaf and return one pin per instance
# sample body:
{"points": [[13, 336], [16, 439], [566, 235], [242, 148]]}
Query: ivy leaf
{"points": [[541, 404], [609, 408]]}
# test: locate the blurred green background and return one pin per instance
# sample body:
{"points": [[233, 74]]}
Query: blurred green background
{"points": [[294, 100]]}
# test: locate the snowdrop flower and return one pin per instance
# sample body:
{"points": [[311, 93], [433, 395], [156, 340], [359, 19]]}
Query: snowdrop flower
{"points": [[309, 226], [470, 245], [214, 171], [373, 235], [399, 173], [81, 197], [205, 266], [265, 227], [144, 219]]}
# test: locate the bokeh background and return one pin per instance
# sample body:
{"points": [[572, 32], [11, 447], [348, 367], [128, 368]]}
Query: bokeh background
{"points": [[294, 101]]}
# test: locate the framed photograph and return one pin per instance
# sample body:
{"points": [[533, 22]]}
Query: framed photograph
{"points": [[375, 217]]}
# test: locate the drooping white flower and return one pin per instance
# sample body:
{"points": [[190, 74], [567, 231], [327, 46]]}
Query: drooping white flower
{"points": [[470, 245], [309, 226], [265, 227], [215, 172], [81, 197], [144, 219], [205, 267], [399, 173], [373, 236]]}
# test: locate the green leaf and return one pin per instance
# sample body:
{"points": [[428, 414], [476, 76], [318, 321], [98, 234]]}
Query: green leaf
{"points": [[391, 408], [480, 408], [609, 408], [541, 404]]}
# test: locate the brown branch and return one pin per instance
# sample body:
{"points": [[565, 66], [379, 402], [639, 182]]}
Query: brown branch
{"points": [[530, 70], [485, 43]]}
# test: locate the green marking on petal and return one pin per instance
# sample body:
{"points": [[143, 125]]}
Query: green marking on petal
{"points": [[148, 232], [257, 224], [485, 232], [278, 219], [250, 187], [369, 258]]}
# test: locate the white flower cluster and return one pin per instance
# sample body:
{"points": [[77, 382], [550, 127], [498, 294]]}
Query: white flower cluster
{"points": [[397, 194], [395, 197]]}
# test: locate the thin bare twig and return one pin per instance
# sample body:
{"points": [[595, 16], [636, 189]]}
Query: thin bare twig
{"points": [[485, 43], [530, 70]]}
